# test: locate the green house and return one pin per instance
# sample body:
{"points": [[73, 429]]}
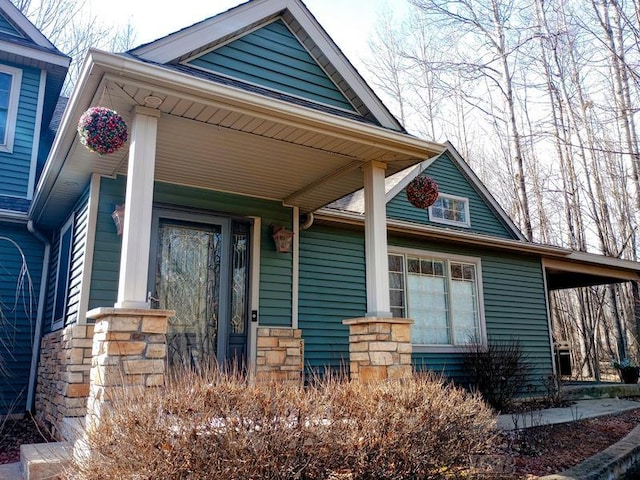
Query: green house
{"points": [[262, 202]]}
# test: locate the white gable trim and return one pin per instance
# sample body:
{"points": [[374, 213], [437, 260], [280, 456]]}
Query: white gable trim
{"points": [[227, 23], [473, 178], [25, 25], [35, 54]]}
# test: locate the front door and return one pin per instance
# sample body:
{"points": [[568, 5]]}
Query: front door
{"points": [[202, 273]]}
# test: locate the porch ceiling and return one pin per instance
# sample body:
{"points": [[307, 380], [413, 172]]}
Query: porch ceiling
{"points": [[217, 137], [580, 269]]}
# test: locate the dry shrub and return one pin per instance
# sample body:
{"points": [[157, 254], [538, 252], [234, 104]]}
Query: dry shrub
{"points": [[220, 426]]}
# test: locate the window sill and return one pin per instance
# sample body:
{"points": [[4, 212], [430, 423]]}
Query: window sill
{"points": [[442, 348]]}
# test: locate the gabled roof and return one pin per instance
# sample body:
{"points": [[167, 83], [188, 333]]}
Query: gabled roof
{"points": [[214, 32], [398, 182], [32, 49]]}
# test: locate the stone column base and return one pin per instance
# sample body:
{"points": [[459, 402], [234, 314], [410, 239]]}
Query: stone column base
{"points": [[379, 348], [129, 349], [280, 354]]}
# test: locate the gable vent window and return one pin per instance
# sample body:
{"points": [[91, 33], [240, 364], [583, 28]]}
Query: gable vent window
{"points": [[62, 275], [441, 294], [10, 79], [450, 210]]}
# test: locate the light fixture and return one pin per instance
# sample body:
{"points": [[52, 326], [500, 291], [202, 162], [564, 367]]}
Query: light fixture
{"points": [[282, 238], [118, 218]]}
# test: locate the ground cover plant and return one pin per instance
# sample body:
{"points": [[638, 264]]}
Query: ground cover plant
{"points": [[217, 425]]}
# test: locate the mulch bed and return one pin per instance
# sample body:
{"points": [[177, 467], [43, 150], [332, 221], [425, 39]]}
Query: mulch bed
{"points": [[551, 449], [14, 433]]}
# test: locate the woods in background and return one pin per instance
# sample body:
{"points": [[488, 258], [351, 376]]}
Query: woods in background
{"points": [[540, 97]]}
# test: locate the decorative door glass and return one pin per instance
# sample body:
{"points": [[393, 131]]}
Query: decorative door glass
{"points": [[188, 281]]}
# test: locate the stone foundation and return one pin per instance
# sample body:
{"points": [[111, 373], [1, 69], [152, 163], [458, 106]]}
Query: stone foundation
{"points": [[129, 348], [280, 354], [63, 376], [379, 348]]}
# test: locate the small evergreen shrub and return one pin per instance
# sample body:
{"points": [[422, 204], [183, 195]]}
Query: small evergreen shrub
{"points": [[220, 426]]}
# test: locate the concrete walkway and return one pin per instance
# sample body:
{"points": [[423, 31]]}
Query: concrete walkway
{"points": [[580, 410]]}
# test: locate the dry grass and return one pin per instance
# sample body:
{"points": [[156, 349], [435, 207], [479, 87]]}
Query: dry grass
{"points": [[216, 425]]}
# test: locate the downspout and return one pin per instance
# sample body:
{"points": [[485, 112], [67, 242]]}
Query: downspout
{"points": [[40, 315]]}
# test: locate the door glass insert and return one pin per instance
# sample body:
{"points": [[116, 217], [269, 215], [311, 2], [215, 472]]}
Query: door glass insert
{"points": [[188, 281], [239, 293]]}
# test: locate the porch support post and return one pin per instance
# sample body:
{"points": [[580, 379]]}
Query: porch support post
{"points": [[375, 228], [136, 235]]}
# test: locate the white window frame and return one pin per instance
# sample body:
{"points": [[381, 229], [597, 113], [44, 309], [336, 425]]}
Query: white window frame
{"points": [[482, 327], [57, 323], [6, 144], [445, 221]]}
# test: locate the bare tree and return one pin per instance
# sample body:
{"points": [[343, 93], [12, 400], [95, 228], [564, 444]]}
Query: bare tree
{"points": [[73, 30]]}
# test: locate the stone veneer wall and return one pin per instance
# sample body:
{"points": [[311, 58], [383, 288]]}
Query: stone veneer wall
{"points": [[129, 348], [280, 354], [379, 348], [63, 376]]}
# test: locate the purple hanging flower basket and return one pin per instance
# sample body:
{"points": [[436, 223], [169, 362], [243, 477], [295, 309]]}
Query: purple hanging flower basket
{"points": [[102, 130], [422, 191]]}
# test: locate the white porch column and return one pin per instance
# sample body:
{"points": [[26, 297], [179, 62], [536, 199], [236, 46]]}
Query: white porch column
{"points": [[136, 235], [375, 236]]}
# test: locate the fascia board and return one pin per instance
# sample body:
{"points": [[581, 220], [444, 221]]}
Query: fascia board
{"points": [[35, 54]]}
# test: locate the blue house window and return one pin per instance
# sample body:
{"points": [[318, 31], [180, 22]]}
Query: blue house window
{"points": [[62, 275], [441, 294], [10, 79]]}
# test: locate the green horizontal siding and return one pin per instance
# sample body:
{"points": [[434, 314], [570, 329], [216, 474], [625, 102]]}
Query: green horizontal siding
{"points": [[19, 314], [332, 289], [452, 181], [7, 27], [275, 268], [274, 58], [15, 167], [78, 252]]}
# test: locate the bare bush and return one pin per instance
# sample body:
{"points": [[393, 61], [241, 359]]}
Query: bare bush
{"points": [[499, 371], [215, 425]]}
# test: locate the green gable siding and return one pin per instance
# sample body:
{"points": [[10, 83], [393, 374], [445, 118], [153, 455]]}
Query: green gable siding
{"points": [[15, 167], [16, 330], [332, 289], [274, 58], [451, 181], [275, 268], [7, 27]]}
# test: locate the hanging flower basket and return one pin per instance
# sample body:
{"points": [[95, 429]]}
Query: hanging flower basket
{"points": [[422, 191], [102, 130]]}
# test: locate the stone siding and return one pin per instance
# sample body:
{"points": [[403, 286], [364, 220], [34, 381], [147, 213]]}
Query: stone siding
{"points": [[379, 348], [63, 376], [280, 354], [129, 348]]}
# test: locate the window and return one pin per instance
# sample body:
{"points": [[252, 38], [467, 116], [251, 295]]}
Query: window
{"points": [[10, 79], [442, 295], [62, 275], [450, 210]]}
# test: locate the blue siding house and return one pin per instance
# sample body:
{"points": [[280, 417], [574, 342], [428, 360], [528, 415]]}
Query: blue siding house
{"points": [[32, 72], [262, 200]]}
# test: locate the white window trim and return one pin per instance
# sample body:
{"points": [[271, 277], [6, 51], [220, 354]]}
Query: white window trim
{"points": [[57, 323], [431, 348], [6, 144], [444, 221]]}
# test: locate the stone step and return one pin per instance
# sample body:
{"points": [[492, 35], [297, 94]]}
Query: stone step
{"points": [[10, 471], [45, 461]]}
